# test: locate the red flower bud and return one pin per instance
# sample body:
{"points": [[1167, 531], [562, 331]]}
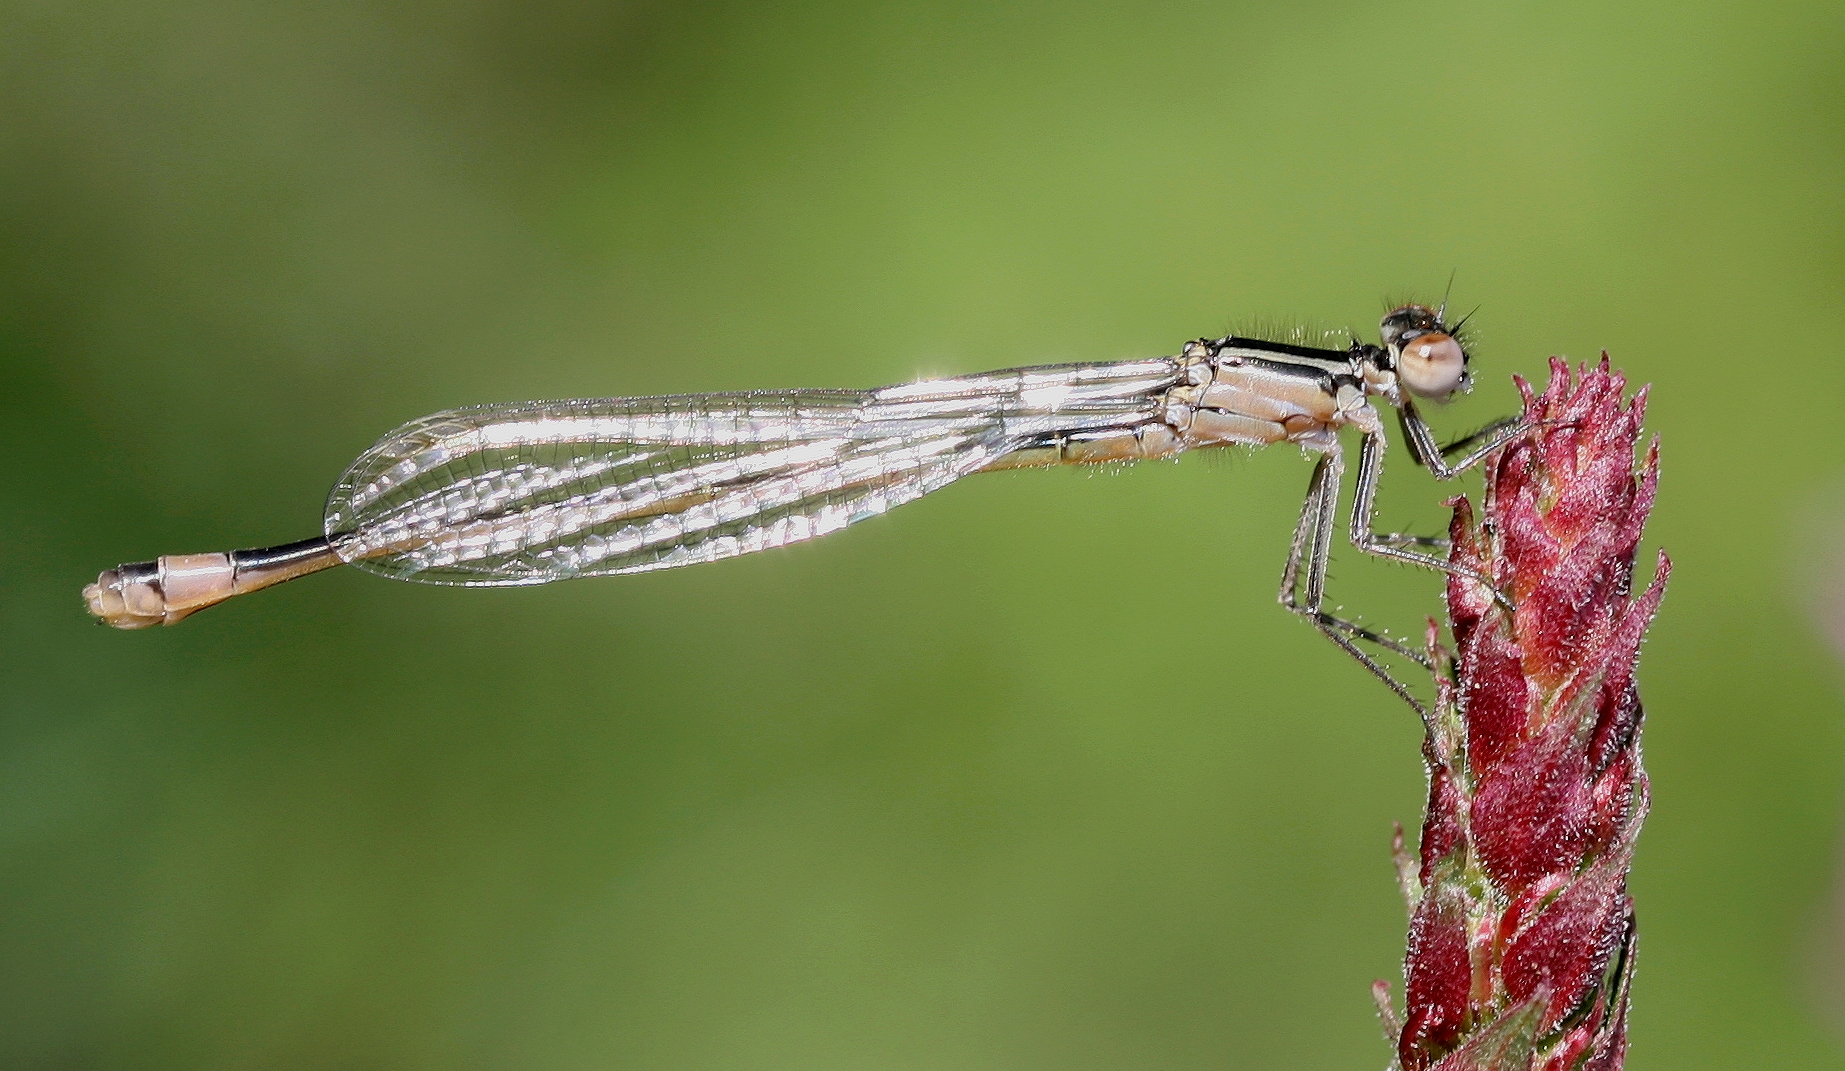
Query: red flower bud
{"points": [[1521, 938]]}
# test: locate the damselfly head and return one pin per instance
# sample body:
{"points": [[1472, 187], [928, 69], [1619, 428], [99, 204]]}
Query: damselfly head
{"points": [[1430, 361]]}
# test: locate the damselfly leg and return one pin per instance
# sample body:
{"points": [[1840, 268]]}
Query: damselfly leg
{"points": [[1309, 554], [1311, 547], [1467, 451]]}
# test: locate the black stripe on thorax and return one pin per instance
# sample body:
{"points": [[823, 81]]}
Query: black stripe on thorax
{"points": [[1287, 349], [1326, 369], [1303, 361]]}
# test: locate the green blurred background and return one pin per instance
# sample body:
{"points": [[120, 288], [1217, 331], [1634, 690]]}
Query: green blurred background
{"points": [[1032, 774]]}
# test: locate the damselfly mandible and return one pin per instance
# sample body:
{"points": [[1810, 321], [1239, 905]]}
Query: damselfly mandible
{"points": [[540, 491]]}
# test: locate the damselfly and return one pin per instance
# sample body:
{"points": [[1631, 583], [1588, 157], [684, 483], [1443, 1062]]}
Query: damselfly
{"points": [[540, 491]]}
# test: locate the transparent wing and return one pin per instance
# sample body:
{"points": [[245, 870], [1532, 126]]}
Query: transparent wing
{"points": [[541, 491]]}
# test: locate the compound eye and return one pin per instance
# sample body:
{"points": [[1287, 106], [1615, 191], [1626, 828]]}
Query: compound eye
{"points": [[1432, 365]]}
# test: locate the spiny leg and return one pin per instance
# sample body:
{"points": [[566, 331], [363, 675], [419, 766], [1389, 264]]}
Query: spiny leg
{"points": [[1472, 449], [1420, 439], [1313, 533], [1312, 513], [1469, 447], [1364, 507], [1312, 545], [1325, 488]]}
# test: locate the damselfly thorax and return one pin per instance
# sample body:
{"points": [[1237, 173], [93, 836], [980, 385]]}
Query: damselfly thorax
{"points": [[533, 492]]}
